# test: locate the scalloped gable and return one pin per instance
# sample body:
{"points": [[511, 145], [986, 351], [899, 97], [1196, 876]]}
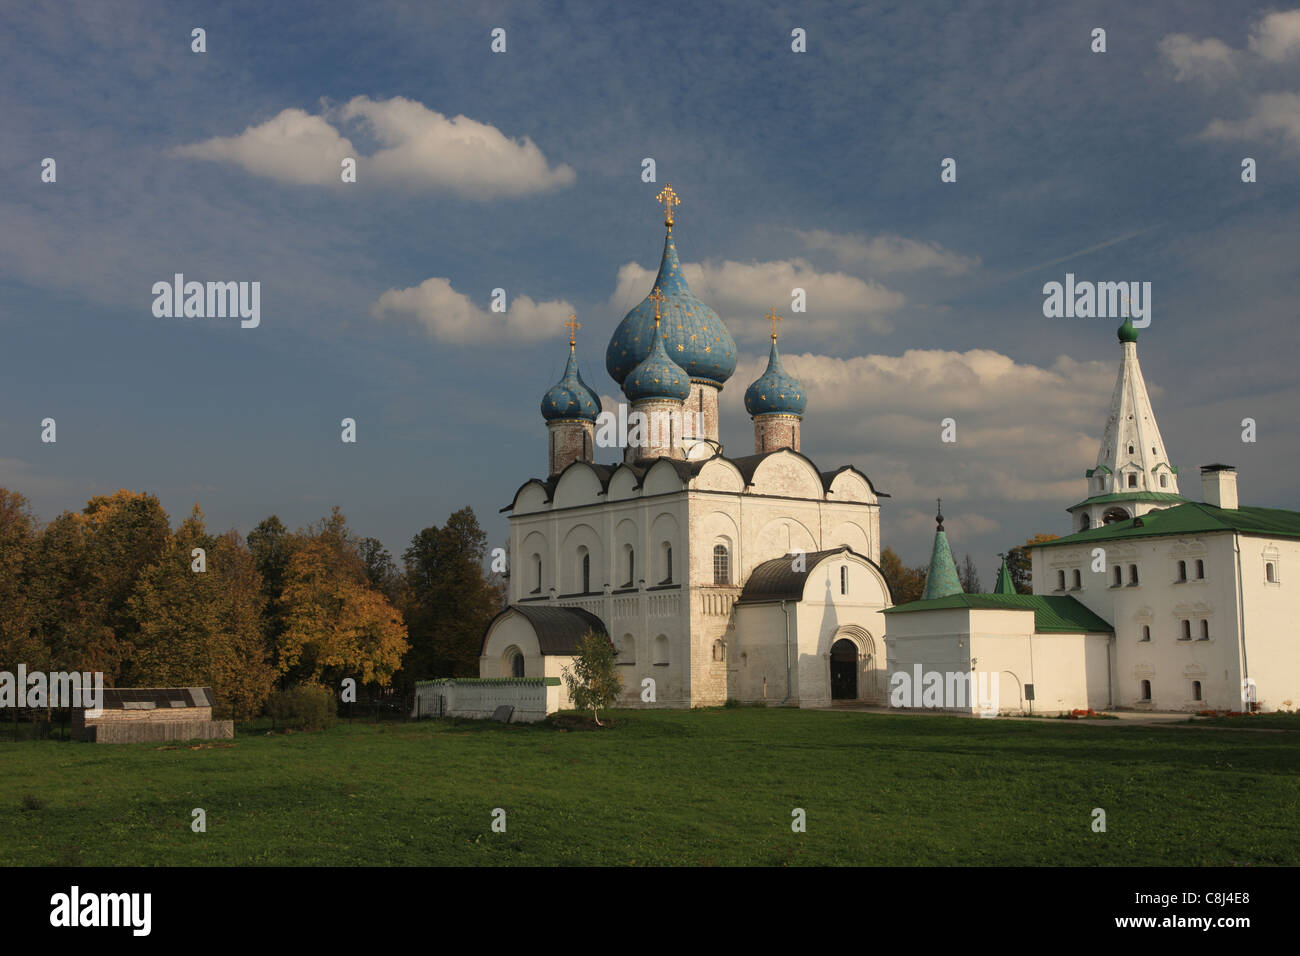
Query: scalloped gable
{"points": [[788, 474], [719, 474]]}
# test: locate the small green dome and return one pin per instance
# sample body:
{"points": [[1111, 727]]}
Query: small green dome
{"points": [[1126, 331]]}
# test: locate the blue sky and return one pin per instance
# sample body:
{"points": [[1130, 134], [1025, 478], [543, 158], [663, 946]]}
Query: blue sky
{"points": [[925, 298]]}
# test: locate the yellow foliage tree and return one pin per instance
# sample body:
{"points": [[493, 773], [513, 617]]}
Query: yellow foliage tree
{"points": [[336, 625]]}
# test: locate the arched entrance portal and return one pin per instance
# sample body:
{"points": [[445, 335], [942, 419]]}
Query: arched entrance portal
{"points": [[844, 670]]}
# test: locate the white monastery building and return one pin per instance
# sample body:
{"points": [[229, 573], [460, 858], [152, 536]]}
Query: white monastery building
{"points": [[752, 577], [1153, 602]]}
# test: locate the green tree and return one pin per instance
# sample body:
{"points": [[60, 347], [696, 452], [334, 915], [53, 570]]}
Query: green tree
{"points": [[593, 682], [1020, 565], [448, 599], [905, 584]]}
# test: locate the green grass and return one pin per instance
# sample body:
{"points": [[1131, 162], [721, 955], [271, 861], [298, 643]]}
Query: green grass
{"points": [[713, 787], [1278, 720]]}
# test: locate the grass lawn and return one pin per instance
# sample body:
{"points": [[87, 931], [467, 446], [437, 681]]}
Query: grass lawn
{"points": [[712, 787]]}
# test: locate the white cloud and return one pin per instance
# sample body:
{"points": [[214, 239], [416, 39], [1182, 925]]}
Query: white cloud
{"points": [[293, 147], [1276, 114], [1277, 36], [1207, 59], [452, 317], [1024, 432], [742, 292], [888, 253], [420, 149]]}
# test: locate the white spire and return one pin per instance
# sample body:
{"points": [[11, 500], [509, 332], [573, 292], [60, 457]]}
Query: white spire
{"points": [[1132, 461]]}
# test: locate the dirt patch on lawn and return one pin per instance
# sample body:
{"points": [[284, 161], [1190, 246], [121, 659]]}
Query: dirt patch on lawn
{"points": [[579, 722]]}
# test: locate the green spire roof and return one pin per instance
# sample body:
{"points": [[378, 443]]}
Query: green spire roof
{"points": [[1004, 585], [941, 580]]}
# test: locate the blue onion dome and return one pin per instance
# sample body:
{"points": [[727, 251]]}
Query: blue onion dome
{"points": [[776, 391], [570, 397], [657, 376], [694, 336]]}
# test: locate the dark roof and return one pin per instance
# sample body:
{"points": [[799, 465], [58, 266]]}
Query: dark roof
{"points": [[1193, 517], [558, 629], [776, 580], [829, 476], [1051, 612], [116, 697]]}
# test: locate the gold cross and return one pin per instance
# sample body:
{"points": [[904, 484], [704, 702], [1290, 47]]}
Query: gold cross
{"points": [[773, 318], [668, 199], [573, 325], [1125, 300], [656, 297]]}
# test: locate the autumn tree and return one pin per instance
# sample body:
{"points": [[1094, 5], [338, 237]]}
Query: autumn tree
{"points": [[19, 638], [449, 598], [905, 584], [593, 681], [335, 624], [200, 625], [1020, 565]]}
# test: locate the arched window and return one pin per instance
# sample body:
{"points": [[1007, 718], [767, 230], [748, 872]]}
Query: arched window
{"points": [[719, 651], [1270, 572], [1114, 514], [1084, 522], [668, 563], [1132, 480], [1130, 449], [1200, 569], [721, 564], [537, 573], [661, 650], [517, 665], [1078, 580], [1146, 633], [1196, 690], [1060, 580], [1132, 575], [1187, 631], [586, 571], [1117, 576], [1164, 481], [844, 580], [1182, 570], [1146, 690], [627, 650], [512, 662], [629, 559], [1205, 629]]}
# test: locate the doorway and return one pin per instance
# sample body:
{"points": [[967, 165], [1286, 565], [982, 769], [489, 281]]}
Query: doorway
{"points": [[844, 670]]}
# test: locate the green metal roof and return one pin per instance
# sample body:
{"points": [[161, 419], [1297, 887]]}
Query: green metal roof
{"points": [[1131, 496], [1193, 517], [942, 578], [1051, 612], [1005, 585]]}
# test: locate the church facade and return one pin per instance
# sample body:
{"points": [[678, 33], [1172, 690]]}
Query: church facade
{"points": [[751, 577], [1154, 602]]}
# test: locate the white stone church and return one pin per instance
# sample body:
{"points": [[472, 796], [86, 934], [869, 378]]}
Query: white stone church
{"points": [[751, 577], [1154, 602]]}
